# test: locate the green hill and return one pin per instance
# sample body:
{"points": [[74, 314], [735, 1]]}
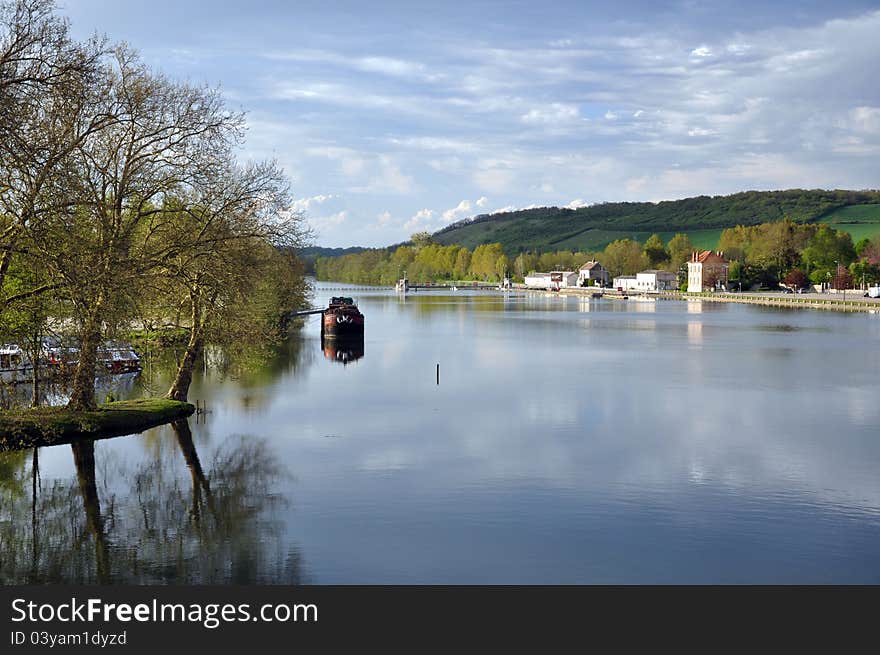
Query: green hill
{"points": [[702, 218], [861, 221]]}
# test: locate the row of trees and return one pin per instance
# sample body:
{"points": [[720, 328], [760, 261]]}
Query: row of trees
{"points": [[799, 255], [422, 261], [121, 198], [426, 261], [767, 254]]}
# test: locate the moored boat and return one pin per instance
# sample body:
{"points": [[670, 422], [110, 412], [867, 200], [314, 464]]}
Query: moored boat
{"points": [[15, 365], [119, 357], [342, 319]]}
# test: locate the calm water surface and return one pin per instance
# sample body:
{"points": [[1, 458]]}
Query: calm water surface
{"points": [[568, 441]]}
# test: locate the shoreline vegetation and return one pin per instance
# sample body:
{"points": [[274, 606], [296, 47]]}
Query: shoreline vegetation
{"points": [[767, 256], [51, 426], [125, 203]]}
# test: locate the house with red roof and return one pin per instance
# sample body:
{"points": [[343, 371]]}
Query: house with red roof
{"points": [[707, 271]]}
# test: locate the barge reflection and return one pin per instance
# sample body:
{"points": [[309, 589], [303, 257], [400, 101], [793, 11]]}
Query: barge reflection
{"points": [[343, 351]]}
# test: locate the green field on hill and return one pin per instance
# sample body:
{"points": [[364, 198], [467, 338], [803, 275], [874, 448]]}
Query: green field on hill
{"points": [[861, 221], [595, 240], [589, 240], [591, 228]]}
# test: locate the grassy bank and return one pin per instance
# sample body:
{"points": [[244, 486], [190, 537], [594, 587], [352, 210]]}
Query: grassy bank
{"points": [[46, 426]]}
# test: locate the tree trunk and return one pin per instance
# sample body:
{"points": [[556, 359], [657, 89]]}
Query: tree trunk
{"points": [[82, 398], [84, 460], [199, 481], [35, 378], [180, 389], [35, 483]]}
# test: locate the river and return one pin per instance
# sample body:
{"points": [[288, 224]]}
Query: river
{"points": [[568, 440]]}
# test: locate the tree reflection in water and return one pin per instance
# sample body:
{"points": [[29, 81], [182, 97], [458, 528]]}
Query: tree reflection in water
{"points": [[217, 527]]}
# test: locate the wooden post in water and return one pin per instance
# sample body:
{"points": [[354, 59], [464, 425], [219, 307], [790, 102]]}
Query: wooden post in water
{"points": [[438, 374]]}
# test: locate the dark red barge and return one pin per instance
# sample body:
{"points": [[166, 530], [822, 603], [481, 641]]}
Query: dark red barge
{"points": [[342, 319]]}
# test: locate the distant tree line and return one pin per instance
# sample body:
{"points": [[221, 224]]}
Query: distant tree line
{"points": [[122, 201], [760, 255], [799, 255], [424, 260]]}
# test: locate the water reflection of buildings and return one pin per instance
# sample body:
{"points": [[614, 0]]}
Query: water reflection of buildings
{"points": [[55, 391], [217, 528], [343, 351]]}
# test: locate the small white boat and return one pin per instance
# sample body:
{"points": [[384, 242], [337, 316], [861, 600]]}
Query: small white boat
{"points": [[15, 365]]}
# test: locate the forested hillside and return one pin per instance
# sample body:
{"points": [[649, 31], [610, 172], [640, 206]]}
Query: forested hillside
{"points": [[593, 227]]}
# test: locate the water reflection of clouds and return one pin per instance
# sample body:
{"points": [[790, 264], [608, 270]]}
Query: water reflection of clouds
{"points": [[624, 421], [685, 412]]}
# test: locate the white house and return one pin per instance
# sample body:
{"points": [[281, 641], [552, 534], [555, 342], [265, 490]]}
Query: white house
{"points": [[707, 271], [626, 283], [552, 280], [593, 274], [654, 280]]}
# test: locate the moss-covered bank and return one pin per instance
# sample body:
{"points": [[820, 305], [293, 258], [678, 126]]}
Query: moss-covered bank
{"points": [[47, 426]]}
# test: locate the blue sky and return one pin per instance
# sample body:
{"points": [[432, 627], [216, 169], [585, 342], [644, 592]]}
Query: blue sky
{"points": [[394, 117]]}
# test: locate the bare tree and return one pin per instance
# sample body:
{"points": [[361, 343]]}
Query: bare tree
{"points": [[231, 236], [164, 138], [119, 182], [49, 92]]}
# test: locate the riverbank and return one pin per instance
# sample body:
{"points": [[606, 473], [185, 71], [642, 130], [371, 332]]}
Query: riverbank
{"points": [[772, 299], [807, 300], [48, 426]]}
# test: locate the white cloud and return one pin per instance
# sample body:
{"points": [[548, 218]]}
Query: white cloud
{"points": [[482, 202], [420, 220], [577, 203], [610, 115], [553, 114], [738, 49], [702, 51], [436, 143], [304, 204], [389, 66], [384, 218], [353, 95], [865, 119], [453, 214], [381, 64]]}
